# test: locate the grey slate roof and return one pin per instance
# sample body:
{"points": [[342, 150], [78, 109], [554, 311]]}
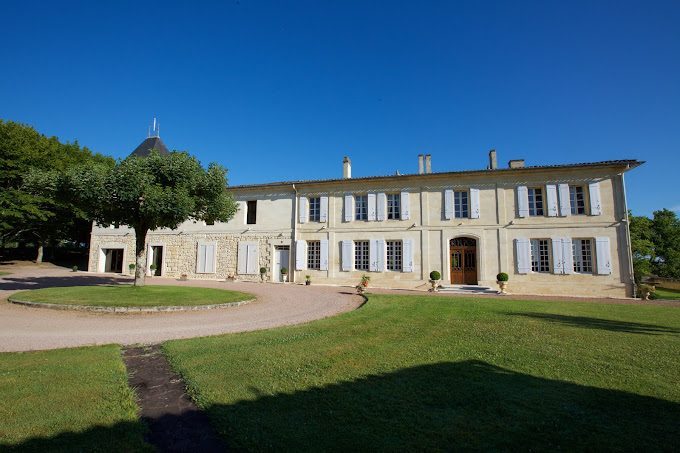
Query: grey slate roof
{"points": [[144, 149], [627, 164]]}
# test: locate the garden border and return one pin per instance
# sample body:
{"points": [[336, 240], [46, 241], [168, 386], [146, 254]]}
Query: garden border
{"points": [[97, 309]]}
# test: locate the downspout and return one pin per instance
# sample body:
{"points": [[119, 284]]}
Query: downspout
{"points": [[291, 271], [628, 244]]}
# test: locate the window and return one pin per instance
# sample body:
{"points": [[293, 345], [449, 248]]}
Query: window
{"points": [[540, 255], [361, 255], [314, 254], [361, 207], [577, 198], [314, 209], [583, 255], [393, 206], [535, 201], [394, 254], [251, 210], [461, 205]]}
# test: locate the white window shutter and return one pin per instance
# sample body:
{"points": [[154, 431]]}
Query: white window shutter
{"points": [[323, 209], [381, 255], [407, 256], [474, 203], [372, 214], [522, 201], [551, 198], [448, 204], [347, 253], [405, 206], [565, 200], [567, 256], [242, 258], [242, 209], [324, 254], [304, 209], [373, 255], [603, 250], [595, 202], [523, 252], [349, 208], [557, 256], [200, 259], [253, 258], [300, 255], [381, 206]]}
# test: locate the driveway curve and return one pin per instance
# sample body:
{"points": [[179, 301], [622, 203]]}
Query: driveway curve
{"points": [[25, 329]]}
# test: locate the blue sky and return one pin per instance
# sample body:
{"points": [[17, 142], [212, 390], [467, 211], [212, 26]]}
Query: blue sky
{"points": [[283, 90]]}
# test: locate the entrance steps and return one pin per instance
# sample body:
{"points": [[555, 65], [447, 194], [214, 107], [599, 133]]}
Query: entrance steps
{"points": [[466, 289]]}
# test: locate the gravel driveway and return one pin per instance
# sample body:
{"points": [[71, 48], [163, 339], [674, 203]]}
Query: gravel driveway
{"points": [[25, 329]]}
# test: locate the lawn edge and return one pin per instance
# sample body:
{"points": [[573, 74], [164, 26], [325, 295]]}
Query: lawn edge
{"points": [[99, 309]]}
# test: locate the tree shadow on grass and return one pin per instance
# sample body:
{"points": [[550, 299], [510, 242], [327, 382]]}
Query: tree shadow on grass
{"points": [[24, 283], [602, 324], [442, 406]]}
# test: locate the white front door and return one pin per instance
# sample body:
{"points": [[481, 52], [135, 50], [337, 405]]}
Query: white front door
{"points": [[281, 260]]}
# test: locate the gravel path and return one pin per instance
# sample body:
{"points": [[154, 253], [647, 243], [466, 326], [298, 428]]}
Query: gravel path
{"points": [[25, 329]]}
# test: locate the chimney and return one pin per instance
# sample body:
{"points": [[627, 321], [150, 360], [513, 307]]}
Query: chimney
{"points": [[346, 168], [428, 163], [516, 163], [493, 161], [421, 164]]}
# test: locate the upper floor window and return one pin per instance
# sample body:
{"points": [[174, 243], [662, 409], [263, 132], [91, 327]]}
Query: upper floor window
{"points": [[540, 255], [361, 207], [313, 254], [393, 206], [251, 212], [583, 255], [461, 206], [314, 209], [535, 201], [394, 255], [361, 255], [577, 198]]}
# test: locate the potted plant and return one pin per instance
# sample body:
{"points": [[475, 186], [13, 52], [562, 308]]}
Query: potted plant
{"points": [[284, 274], [263, 270], [183, 277], [502, 280], [74, 268], [308, 280], [435, 276], [152, 268], [132, 266], [363, 284], [646, 291]]}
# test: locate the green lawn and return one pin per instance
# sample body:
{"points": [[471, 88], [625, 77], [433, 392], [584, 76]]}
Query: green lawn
{"points": [[132, 296], [665, 293], [67, 400], [434, 373]]}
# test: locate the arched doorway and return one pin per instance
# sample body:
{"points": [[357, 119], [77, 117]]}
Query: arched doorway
{"points": [[463, 254]]}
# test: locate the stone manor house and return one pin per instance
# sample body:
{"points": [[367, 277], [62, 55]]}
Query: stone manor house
{"points": [[555, 229]]}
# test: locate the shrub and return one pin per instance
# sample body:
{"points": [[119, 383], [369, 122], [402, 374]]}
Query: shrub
{"points": [[75, 268], [502, 277], [364, 280], [284, 270], [435, 275], [131, 266], [308, 277], [152, 267], [263, 270]]}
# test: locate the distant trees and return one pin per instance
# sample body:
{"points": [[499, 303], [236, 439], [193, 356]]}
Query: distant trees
{"points": [[27, 211], [655, 244]]}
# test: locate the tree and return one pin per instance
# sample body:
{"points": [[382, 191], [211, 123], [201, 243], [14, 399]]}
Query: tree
{"points": [[28, 210], [147, 193], [655, 244], [642, 246]]}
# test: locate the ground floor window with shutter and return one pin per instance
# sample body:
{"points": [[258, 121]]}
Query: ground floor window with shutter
{"points": [[540, 255], [461, 205], [314, 255], [361, 255], [535, 201], [577, 199], [394, 255], [583, 255]]}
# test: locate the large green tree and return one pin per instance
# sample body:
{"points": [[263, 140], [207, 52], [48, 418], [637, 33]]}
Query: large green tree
{"points": [[655, 244], [147, 193], [28, 212]]}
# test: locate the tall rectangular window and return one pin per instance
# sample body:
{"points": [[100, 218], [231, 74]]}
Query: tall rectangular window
{"points": [[583, 255], [361, 207], [313, 254], [577, 198], [361, 255], [540, 255], [535, 201], [394, 255], [314, 209], [393, 206], [251, 210], [461, 205]]}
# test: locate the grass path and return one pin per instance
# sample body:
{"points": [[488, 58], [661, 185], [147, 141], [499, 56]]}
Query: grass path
{"points": [[420, 372], [666, 293]]}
